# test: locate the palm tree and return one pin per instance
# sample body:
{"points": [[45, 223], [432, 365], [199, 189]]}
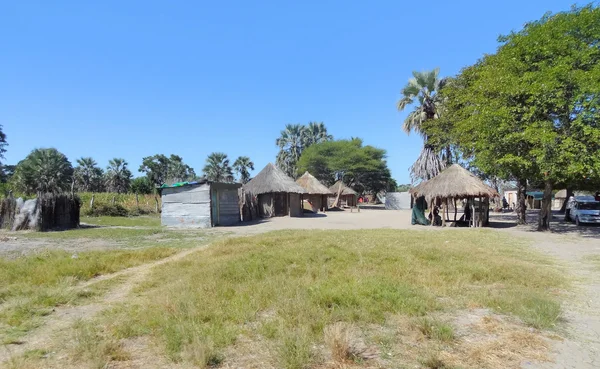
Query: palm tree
{"points": [[316, 133], [217, 168], [44, 170], [88, 176], [241, 165], [118, 176], [423, 90], [291, 142]]}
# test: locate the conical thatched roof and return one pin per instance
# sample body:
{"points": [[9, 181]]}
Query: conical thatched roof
{"points": [[345, 189], [453, 182], [312, 185], [272, 179]]}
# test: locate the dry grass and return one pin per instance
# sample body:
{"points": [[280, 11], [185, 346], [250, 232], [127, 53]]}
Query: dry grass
{"points": [[296, 293]]}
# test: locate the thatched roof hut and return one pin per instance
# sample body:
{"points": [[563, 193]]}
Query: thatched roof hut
{"points": [[276, 194], [312, 185], [348, 197], [272, 180], [316, 192], [345, 189], [454, 182]]}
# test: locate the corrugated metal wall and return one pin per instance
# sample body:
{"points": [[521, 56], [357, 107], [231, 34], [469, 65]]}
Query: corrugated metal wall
{"points": [[397, 200], [187, 206]]}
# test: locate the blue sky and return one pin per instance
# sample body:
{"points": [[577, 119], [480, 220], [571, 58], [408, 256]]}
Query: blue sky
{"points": [[136, 78]]}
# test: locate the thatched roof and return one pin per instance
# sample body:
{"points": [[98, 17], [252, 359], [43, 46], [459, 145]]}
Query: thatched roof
{"points": [[312, 185], [345, 189], [453, 182], [272, 179]]}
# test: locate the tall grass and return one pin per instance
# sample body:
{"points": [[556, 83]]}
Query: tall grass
{"points": [[32, 285], [147, 203], [289, 286]]}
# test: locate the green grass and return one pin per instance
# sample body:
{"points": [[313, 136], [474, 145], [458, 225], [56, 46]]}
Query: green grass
{"points": [[139, 221], [594, 260], [32, 285], [287, 287]]}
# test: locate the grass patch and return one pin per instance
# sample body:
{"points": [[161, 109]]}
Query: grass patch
{"points": [[435, 329], [294, 284], [32, 285], [117, 234], [139, 221], [594, 260]]}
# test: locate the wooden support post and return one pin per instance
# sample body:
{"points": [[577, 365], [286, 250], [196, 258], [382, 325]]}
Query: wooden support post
{"points": [[455, 210], [479, 218], [444, 208]]}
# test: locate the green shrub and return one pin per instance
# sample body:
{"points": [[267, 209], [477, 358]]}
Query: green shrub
{"points": [[115, 210]]}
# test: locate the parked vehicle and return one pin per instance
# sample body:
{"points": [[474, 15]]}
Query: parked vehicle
{"points": [[585, 209]]}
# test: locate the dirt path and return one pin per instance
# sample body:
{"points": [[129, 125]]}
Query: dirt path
{"points": [[581, 347], [63, 317]]}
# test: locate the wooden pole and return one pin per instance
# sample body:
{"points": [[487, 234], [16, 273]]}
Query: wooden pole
{"points": [[431, 208], [480, 220], [455, 210], [444, 208]]}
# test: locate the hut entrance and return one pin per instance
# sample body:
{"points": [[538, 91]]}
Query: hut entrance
{"points": [[280, 202]]}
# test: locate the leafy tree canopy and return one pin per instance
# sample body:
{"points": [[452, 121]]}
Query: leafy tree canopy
{"points": [[217, 168], [141, 185], [363, 168], [161, 169], [43, 170]]}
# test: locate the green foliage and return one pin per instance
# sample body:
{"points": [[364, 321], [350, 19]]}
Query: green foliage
{"points": [[532, 109], [43, 170], [141, 185], [403, 188], [160, 170], [423, 90], [364, 168], [110, 210], [3, 143], [145, 204], [241, 165], [118, 175], [217, 168], [89, 177], [294, 139]]}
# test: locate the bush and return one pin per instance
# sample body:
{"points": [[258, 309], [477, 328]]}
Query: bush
{"points": [[145, 205], [115, 210]]}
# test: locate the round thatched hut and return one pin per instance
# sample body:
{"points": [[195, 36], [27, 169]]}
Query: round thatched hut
{"points": [[455, 182], [276, 194], [348, 196], [316, 192]]}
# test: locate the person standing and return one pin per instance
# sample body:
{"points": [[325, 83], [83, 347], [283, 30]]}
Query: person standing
{"points": [[570, 204]]}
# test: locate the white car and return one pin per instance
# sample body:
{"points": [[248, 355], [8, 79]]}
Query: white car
{"points": [[585, 210]]}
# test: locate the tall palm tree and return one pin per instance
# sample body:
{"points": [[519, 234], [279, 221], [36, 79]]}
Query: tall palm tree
{"points": [[88, 176], [316, 133], [291, 142], [44, 170], [118, 176], [217, 168], [241, 165], [423, 91]]}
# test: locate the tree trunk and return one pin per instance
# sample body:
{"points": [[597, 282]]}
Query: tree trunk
{"points": [[521, 205], [563, 207], [448, 156], [92, 202], [156, 204], [546, 208], [455, 210]]}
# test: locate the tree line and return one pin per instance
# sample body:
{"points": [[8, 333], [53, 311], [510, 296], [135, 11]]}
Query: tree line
{"points": [[49, 170], [529, 113], [311, 148]]}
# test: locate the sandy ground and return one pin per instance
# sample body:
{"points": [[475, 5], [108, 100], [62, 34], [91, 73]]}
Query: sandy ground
{"points": [[569, 244]]}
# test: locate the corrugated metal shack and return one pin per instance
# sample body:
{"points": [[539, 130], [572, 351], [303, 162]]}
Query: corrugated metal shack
{"points": [[200, 204]]}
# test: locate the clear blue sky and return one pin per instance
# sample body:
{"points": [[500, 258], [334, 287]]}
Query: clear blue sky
{"points": [[136, 78]]}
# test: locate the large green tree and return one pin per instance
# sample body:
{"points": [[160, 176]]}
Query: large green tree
{"points": [[88, 175], [43, 170], [422, 92], [217, 168], [243, 165], [532, 110], [363, 168], [160, 169], [118, 175], [141, 185]]}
